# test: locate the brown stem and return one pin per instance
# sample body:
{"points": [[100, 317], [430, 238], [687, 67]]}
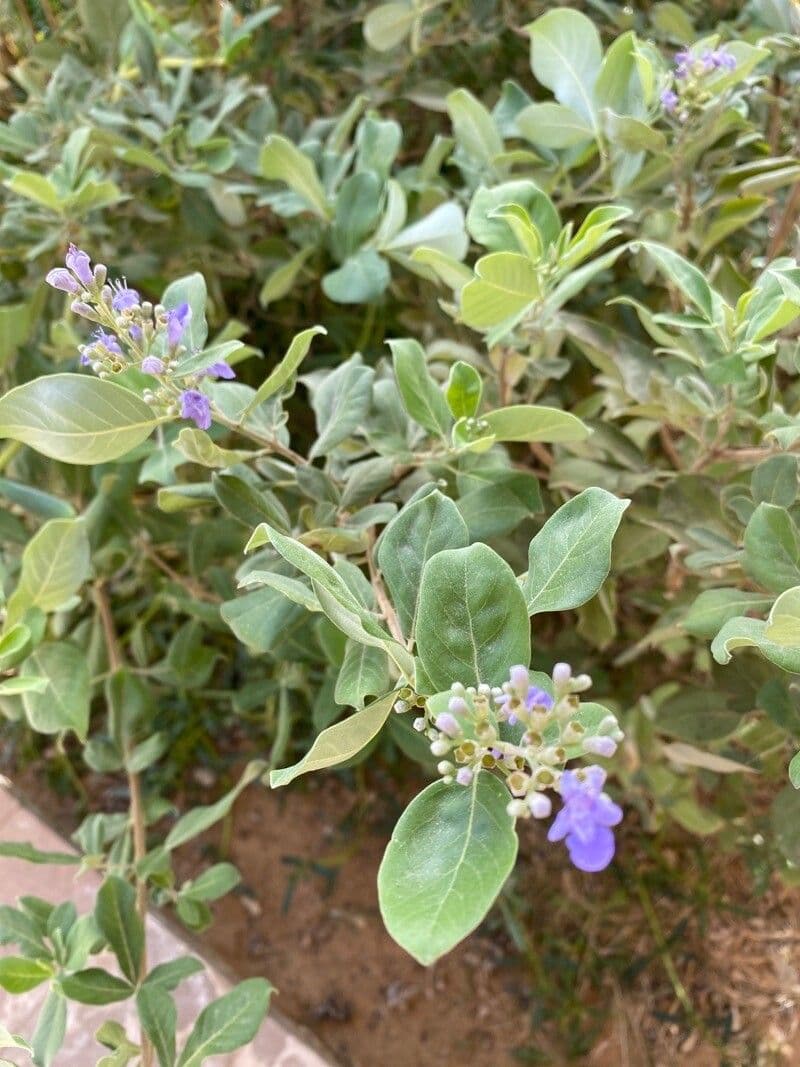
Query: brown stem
{"points": [[193, 588], [670, 450], [387, 610], [137, 816], [266, 442], [542, 453], [786, 223]]}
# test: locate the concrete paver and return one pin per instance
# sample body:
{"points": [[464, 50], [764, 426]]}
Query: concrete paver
{"points": [[278, 1043]]}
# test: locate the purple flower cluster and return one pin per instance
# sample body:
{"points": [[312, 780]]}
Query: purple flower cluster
{"points": [[686, 63], [470, 738], [151, 335], [586, 819]]}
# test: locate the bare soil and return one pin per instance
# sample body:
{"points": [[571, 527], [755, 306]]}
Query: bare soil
{"points": [[715, 986]]}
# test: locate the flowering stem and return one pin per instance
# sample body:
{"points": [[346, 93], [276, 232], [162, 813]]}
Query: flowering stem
{"points": [[269, 443], [137, 816]]}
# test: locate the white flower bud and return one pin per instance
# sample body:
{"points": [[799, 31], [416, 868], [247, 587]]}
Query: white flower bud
{"points": [[457, 705], [517, 809], [600, 746], [458, 689], [519, 677], [562, 672], [581, 683], [440, 747], [400, 706], [445, 767], [540, 805], [420, 724]]}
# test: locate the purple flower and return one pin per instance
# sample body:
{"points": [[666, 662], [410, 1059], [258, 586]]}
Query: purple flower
{"points": [[538, 698], [135, 332], [220, 370], [669, 100], [177, 320], [585, 819], [464, 776], [86, 359], [683, 63], [60, 278], [107, 341], [196, 406], [124, 298], [86, 311], [723, 60], [81, 266], [152, 365]]}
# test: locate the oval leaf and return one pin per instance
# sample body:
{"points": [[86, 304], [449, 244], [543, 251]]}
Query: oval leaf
{"points": [[472, 624], [448, 858], [76, 419]]}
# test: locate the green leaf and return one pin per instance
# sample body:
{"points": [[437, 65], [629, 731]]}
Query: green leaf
{"points": [[463, 390], [212, 883], [422, 397], [772, 548], [714, 607], [170, 975], [553, 125], [228, 1023], [37, 188], [794, 770], [340, 742], [23, 850], [362, 278], [388, 24], [55, 563], [499, 503], [281, 160], [64, 702], [364, 673], [50, 1029], [119, 923], [448, 858], [472, 624], [686, 277], [565, 57], [198, 447], [95, 986], [530, 422], [283, 373], [19, 974], [159, 1018], [506, 284], [22, 683], [199, 819], [785, 818], [751, 633], [341, 404], [76, 418], [473, 126], [783, 624], [424, 527], [570, 557], [775, 481]]}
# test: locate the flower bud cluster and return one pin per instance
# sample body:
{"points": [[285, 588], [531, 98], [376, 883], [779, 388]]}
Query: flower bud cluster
{"points": [[690, 89], [526, 734], [136, 333]]}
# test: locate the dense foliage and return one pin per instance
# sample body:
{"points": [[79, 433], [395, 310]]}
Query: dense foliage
{"points": [[366, 341]]}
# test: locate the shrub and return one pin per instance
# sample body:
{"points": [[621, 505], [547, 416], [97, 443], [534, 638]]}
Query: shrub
{"points": [[585, 416]]}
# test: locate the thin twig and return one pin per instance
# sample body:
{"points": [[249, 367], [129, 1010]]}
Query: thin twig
{"points": [[786, 223], [137, 815], [385, 605]]}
